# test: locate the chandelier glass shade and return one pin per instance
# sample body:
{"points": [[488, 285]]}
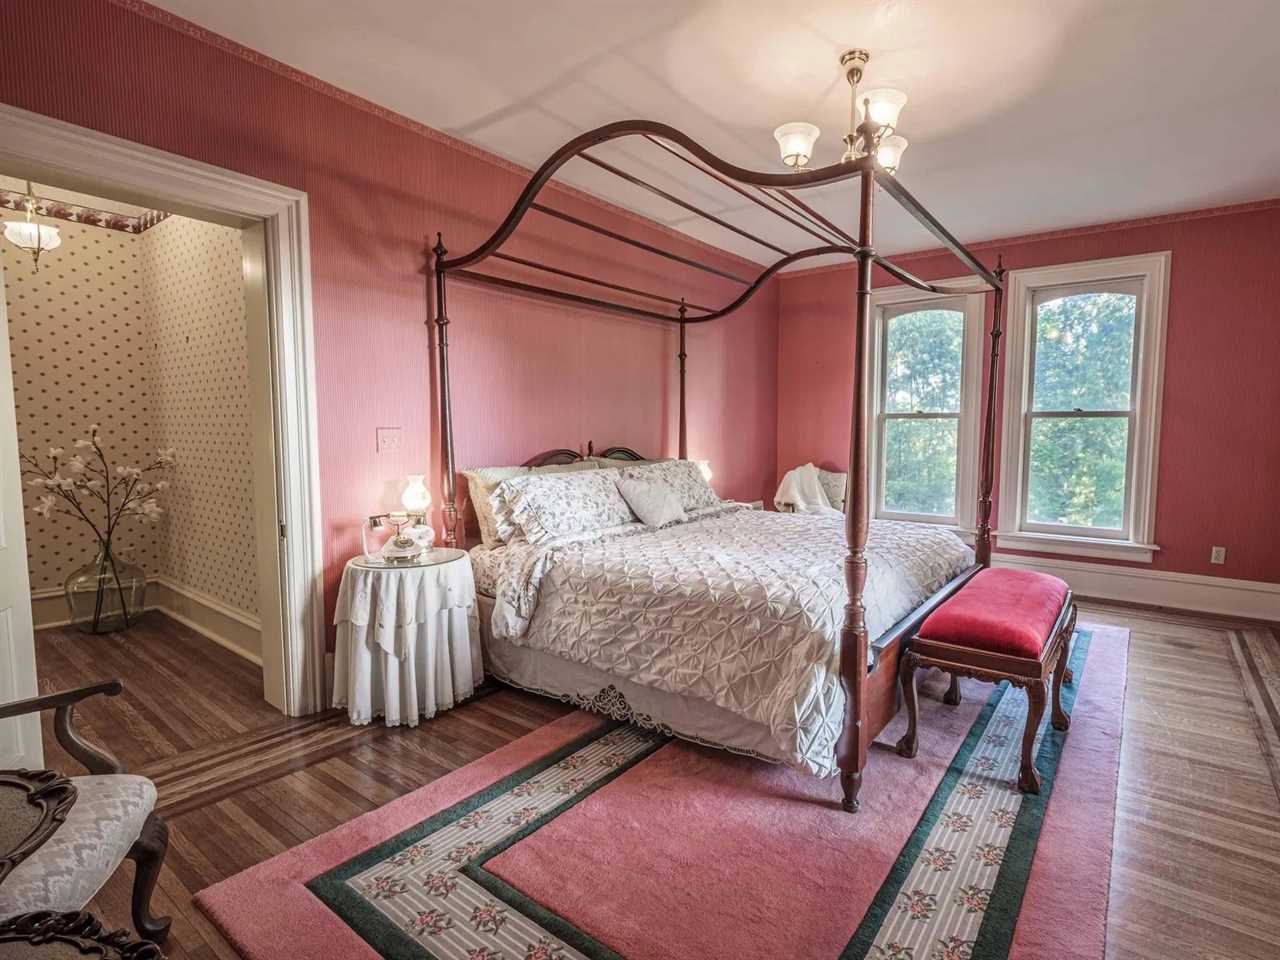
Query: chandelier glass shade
{"points": [[795, 143], [883, 105], [30, 235], [889, 152]]}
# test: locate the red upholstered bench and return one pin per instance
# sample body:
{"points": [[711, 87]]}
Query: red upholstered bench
{"points": [[1003, 624]]}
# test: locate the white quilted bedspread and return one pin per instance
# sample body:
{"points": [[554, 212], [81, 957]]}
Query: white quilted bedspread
{"points": [[742, 609]]}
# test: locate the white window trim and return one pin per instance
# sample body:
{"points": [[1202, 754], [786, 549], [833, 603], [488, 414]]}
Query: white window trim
{"points": [[969, 437], [1153, 270]]}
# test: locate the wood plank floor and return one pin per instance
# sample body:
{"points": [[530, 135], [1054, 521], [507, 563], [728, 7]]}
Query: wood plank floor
{"points": [[1197, 844]]}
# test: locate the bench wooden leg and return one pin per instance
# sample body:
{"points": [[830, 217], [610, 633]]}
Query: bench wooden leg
{"points": [[1059, 717], [952, 697], [908, 745], [147, 854], [1028, 776]]}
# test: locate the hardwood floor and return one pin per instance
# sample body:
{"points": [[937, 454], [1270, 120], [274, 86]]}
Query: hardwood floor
{"points": [[237, 781], [1196, 868], [1196, 871]]}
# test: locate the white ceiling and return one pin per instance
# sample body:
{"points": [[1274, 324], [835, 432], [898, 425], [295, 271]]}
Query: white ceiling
{"points": [[1025, 115]]}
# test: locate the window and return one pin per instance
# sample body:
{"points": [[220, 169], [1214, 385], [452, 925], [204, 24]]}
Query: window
{"points": [[1081, 407], [924, 440]]}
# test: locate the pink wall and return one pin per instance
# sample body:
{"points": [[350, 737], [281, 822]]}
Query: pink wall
{"points": [[1219, 440], [527, 375]]}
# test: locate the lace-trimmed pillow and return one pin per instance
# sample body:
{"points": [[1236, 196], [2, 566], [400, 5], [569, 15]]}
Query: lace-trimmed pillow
{"points": [[545, 507], [683, 476], [482, 481]]}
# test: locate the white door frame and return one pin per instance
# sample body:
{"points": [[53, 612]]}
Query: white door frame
{"points": [[38, 146]]}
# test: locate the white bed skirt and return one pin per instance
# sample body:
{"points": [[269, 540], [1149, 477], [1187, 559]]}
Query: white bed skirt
{"points": [[439, 667], [592, 689]]}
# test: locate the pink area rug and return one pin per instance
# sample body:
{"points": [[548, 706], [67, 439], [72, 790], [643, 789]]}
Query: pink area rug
{"points": [[587, 839]]}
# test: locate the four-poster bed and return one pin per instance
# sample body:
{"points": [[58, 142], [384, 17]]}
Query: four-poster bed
{"points": [[868, 666]]}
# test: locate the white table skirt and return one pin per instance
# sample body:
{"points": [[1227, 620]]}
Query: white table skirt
{"points": [[408, 641]]}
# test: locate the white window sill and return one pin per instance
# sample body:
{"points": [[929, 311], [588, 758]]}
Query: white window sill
{"points": [[967, 534], [1098, 547]]}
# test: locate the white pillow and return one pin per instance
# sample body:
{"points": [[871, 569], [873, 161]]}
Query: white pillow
{"points": [[482, 481], [654, 501], [544, 507], [684, 477]]}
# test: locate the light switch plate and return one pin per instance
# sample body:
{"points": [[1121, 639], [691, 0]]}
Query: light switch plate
{"points": [[388, 439]]}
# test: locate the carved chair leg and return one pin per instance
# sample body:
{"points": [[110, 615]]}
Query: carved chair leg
{"points": [[1028, 776], [147, 854], [952, 697], [851, 783], [1059, 717], [1068, 676], [908, 745]]}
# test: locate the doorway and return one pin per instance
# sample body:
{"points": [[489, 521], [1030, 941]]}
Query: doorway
{"points": [[273, 615]]}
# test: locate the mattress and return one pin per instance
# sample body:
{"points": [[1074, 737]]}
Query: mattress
{"points": [[740, 610]]}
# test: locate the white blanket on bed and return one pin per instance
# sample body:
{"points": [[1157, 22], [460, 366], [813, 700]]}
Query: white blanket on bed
{"points": [[742, 609]]}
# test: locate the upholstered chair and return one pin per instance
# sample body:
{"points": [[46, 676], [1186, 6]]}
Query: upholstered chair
{"points": [[105, 818]]}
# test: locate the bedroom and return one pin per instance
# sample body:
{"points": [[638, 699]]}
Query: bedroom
{"points": [[769, 387]]}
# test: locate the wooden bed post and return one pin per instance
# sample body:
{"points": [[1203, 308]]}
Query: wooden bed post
{"points": [[450, 505], [684, 430], [986, 479], [851, 748]]}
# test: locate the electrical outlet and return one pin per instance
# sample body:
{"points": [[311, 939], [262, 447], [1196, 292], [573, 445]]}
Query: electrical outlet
{"points": [[388, 439], [1218, 555]]}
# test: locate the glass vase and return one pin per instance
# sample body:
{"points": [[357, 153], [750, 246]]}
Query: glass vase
{"points": [[107, 594]]}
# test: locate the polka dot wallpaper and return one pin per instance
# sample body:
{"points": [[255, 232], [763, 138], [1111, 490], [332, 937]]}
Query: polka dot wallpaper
{"points": [[145, 336], [199, 369], [78, 339]]}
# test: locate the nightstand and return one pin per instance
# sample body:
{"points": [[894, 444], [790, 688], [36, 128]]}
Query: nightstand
{"points": [[408, 638]]}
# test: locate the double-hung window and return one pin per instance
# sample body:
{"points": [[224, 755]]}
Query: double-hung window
{"points": [[926, 393], [1086, 343]]}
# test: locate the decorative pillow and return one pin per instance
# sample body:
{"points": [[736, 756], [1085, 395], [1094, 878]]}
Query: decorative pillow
{"points": [[654, 501], [684, 477], [482, 481], [542, 508], [833, 485]]}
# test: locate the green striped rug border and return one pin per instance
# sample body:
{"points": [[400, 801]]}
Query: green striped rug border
{"points": [[1001, 915]]}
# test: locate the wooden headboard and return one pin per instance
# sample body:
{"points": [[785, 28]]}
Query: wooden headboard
{"points": [[573, 456]]}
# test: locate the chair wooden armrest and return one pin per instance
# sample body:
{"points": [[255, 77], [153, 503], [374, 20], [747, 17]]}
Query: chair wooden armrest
{"points": [[96, 759]]}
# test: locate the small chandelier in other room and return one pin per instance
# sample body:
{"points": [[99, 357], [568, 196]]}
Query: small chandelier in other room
{"points": [[873, 123], [29, 234]]}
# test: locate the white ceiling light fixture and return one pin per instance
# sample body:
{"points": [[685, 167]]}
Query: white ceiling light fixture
{"points": [[795, 143], [873, 123], [29, 234]]}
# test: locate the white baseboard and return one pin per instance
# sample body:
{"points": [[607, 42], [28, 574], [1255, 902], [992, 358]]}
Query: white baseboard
{"points": [[236, 630], [1251, 599]]}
